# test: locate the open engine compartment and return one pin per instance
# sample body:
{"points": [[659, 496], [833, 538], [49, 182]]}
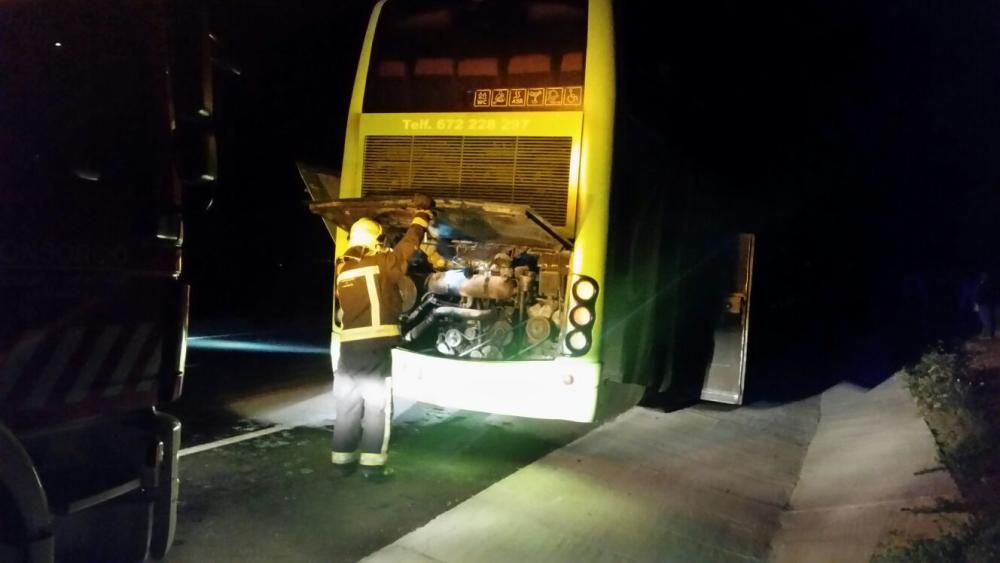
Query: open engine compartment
{"points": [[489, 283], [485, 300]]}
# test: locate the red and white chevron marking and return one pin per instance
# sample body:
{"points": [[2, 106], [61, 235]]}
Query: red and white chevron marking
{"points": [[77, 364]]}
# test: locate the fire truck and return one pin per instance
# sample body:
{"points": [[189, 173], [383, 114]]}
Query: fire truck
{"points": [[105, 126]]}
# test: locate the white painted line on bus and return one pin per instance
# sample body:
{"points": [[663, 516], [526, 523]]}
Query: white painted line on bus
{"points": [[233, 440]]}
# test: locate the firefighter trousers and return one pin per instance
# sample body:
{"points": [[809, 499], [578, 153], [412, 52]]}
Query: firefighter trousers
{"points": [[362, 391]]}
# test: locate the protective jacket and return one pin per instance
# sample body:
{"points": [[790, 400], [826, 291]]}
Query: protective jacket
{"points": [[367, 286]]}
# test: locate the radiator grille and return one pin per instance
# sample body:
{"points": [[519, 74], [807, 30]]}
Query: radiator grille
{"points": [[525, 170]]}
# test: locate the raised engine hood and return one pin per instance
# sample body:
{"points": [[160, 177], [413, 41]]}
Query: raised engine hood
{"points": [[482, 222]]}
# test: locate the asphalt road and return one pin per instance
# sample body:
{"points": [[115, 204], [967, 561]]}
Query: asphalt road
{"points": [[273, 497], [706, 483]]}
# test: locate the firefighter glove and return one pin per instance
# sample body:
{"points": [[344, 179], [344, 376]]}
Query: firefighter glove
{"points": [[424, 218]]}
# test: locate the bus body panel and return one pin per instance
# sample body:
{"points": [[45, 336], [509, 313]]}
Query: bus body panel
{"points": [[594, 199], [560, 389], [483, 124]]}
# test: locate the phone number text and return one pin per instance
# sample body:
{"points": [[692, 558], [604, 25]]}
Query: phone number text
{"points": [[474, 124]]}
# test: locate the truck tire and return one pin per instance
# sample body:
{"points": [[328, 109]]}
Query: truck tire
{"points": [[168, 484], [13, 543]]}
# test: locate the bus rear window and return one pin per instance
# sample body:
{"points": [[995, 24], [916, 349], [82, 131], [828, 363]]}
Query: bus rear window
{"points": [[450, 55]]}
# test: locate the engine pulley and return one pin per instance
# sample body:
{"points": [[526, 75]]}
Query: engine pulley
{"points": [[538, 329]]}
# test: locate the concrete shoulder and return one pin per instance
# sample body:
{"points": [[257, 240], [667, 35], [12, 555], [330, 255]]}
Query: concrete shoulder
{"points": [[703, 484], [872, 458]]}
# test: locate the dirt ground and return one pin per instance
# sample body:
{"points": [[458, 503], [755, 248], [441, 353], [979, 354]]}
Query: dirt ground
{"points": [[985, 361]]}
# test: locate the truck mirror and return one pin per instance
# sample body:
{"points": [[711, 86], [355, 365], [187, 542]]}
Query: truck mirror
{"points": [[199, 195], [196, 159]]}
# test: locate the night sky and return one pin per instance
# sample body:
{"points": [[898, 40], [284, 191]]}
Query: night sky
{"points": [[859, 140]]}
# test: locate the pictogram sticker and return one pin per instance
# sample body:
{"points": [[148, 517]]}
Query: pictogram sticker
{"points": [[500, 97], [482, 99], [574, 95], [554, 96], [518, 96], [536, 96]]}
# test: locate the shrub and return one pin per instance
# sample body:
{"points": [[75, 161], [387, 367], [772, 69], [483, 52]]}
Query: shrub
{"points": [[948, 547], [954, 400], [985, 545], [948, 393], [940, 381]]}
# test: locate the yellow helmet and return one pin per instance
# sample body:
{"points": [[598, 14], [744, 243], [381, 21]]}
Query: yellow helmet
{"points": [[366, 233]]}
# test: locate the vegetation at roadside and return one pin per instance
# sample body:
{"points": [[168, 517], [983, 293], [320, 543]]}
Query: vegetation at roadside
{"points": [[958, 393]]}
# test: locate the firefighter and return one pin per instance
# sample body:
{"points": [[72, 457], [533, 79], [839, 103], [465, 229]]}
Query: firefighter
{"points": [[370, 306]]}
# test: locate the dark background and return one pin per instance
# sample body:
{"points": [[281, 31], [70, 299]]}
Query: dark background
{"points": [[858, 140]]}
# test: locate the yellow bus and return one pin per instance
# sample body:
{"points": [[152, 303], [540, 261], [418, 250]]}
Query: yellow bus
{"points": [[503, 111]]}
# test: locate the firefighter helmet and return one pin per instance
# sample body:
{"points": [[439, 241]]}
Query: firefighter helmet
{"points": [[365, 232]]}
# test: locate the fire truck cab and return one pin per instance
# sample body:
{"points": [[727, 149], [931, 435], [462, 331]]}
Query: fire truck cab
{"points": [[93, 308]]}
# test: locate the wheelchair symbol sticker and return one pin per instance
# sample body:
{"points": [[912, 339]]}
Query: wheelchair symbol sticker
{"points": [[574, 95]]}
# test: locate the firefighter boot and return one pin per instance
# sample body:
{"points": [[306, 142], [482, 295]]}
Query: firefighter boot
{"points": [[344, 469], [344, 465], [376, 473]]}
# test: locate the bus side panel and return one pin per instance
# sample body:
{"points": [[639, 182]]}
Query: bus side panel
{"points": [[639, 326], [648, 214]]}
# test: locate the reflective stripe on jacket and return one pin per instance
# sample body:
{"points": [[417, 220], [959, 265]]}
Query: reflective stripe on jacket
{"points": [[367, 286]]}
